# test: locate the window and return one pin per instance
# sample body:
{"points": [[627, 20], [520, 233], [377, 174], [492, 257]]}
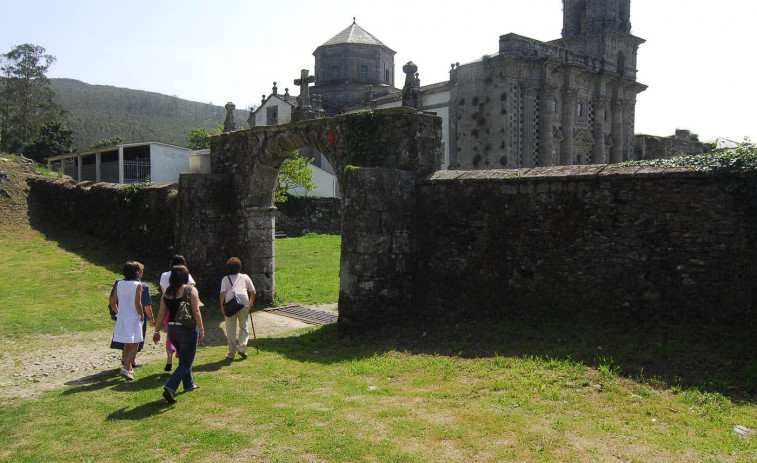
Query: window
{"points": [[272, 115], [554, 106], [387, 80], [334, 72], [363, 72], [580, 110], [621, 64]]}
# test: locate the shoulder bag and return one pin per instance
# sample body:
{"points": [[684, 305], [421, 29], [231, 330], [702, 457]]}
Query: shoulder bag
{"points": [[233, 305]]}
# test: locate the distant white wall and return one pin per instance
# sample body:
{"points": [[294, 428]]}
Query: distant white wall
{"points": [[285, 112], [325, 184], [199, 162], [167, 162]]}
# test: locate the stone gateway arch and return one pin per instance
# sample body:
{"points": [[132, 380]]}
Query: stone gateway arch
{"points": [[378, 157]]}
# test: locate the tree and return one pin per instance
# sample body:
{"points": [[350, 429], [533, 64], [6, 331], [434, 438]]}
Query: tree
{"points": [[26, 98], [53, 139], [199, 138], [107, 142], [294, 173]]}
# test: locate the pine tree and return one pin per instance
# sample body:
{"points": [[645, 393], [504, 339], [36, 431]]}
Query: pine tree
{"points": [[26, 99]]}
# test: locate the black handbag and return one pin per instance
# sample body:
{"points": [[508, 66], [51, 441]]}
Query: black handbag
{"points": [[184, 313], [233, 305]]}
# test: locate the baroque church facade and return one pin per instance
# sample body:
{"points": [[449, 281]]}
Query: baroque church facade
{"points": [[563, 102]]}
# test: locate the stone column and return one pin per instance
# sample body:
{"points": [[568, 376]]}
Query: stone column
{"points": [[599, 156], [568, 124], [616, 154], [546, 116], [258, 237], [628, 108], [529, 129]]}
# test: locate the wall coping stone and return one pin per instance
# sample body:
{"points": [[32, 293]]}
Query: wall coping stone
{"points": [[564, 173]]}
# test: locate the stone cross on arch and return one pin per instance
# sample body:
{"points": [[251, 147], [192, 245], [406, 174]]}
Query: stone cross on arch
{"points": [[303, 82]]}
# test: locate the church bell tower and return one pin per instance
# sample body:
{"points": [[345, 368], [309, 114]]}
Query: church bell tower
{"points": [[602, 29]]}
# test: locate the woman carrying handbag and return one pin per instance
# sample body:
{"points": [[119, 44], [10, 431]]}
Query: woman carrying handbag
{"points": [[237, 291]]}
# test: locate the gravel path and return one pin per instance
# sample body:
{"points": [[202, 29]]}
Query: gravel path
{"points": [[45, 362]]}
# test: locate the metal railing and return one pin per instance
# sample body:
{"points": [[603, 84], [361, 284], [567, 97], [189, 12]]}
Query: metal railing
{"points": [[137, 170]]}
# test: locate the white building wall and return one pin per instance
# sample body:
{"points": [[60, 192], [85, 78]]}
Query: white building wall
{"points": [[324, 181], [167, 162], [285, 112]]}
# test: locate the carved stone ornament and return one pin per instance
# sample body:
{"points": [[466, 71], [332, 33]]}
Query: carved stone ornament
{"points": [[558, 135], [254, 144], [583, 136]]}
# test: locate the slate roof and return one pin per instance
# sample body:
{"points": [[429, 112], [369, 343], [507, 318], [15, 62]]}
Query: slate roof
{"points": [[356, 35]]}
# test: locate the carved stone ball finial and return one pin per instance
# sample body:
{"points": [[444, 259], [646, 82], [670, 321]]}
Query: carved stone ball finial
{"points": [[410, 68], [354, 20], [275, 89]]}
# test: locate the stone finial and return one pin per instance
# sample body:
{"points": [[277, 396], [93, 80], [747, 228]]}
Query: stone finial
{"points": [[453, 72], [286, 94], [229, 125], [275, 89], [262, 100], [411, 92]]}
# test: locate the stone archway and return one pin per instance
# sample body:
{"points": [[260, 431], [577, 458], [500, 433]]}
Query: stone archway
{"points": [[378, 156]]}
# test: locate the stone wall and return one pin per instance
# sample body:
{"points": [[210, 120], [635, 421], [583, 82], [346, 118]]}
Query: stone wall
{"points": [[299, 216], [142, 217], [682, 143], [585, 240]]}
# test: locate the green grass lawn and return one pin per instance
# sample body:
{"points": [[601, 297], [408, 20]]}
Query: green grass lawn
{"points": [[501, 391], [307, 269]]}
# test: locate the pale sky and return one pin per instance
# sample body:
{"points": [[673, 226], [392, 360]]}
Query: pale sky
{"points": [[698, 60]]}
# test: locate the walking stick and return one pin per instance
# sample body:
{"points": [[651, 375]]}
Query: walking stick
{"points": [[254, 336]]}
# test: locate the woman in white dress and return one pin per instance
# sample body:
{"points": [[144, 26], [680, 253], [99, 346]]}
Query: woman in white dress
{"points": [[126, 302]]}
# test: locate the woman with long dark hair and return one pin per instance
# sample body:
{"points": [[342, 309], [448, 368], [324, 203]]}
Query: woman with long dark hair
{"points": [[185, 339]]}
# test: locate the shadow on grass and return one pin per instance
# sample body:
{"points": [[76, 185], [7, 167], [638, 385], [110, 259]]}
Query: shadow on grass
{"points": [[720, 359], [95, 250], [110, 379], [156, 407]]}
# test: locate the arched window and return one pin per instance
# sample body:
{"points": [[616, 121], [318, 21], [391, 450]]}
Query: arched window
{"points": [[363, 72], [621, 63], [334, 72]]}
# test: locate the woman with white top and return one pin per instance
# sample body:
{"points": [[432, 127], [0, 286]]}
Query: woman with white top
{"points": [[126, 302], [241, 285]]}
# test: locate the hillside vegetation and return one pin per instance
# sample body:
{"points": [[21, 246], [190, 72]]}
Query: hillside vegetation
{"points": [[97, 112]]}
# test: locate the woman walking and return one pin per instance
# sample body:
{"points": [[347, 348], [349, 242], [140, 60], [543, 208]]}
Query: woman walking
{"points": [[126, 302], [183, 338], [238, 284], [178, 259]]}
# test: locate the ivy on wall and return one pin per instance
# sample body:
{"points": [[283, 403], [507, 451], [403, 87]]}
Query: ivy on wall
{"points": [[366, 143]]}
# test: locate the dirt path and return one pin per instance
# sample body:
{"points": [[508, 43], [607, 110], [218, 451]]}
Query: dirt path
{"points": [[46, 362]]}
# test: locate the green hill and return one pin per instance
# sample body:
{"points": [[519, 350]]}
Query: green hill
{"points": [[96, 112]]}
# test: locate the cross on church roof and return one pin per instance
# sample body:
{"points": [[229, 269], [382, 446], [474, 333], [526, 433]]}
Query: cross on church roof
{"points": [[303, 82]]}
